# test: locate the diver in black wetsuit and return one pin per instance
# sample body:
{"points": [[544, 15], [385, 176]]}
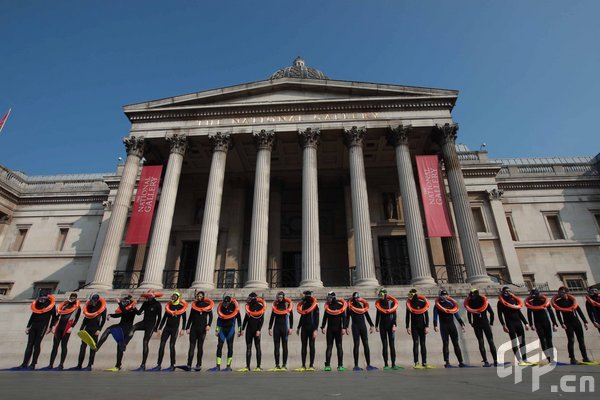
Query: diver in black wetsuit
{"points": [[592, 306], [229, 315], [152, 311], [481, 325], [511, 317], [43, 315], [199, 322], [570, 323], [68, 315], [251, 326], [539, 321], [94, 318], [358, 314], [173, 319], [386, 323], [307, 328], [448, 330], [281, 325], [335, 319], [417, 326], [126, 311]]}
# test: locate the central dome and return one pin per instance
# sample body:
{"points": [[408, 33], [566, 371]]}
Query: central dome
{"points": [[299, 70]]}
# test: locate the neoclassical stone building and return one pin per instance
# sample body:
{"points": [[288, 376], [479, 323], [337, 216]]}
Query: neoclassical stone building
{"points": [[302, 181]]}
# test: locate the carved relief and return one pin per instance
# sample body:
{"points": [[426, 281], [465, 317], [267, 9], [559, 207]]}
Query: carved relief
{"points": [[495, 194]]}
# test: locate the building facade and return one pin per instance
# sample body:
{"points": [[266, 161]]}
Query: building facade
{"points": [[302, 181]]}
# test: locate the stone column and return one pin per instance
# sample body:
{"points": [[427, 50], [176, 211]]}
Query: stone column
{"points": [[259, 234], [511, 259], [465, 224], [116, 225], [363, 242], [311, 256], [207, 250], [159, 244], [4, 223], [415, 236]]}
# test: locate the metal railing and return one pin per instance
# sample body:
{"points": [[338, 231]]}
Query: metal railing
{"points": [[127, 279], [450, 273]]}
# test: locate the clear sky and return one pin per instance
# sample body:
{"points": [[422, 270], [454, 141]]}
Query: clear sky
{"points": [[528, 71]]}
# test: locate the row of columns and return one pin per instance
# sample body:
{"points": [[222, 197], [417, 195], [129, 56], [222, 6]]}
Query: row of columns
{"points": [[309, 139]]}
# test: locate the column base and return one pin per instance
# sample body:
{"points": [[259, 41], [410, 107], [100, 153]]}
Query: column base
{"points": [[479, 279], [311, 283], [99, 286], [423, 281], [367, 282], [151, 285], [202, 285], [256, 285]]}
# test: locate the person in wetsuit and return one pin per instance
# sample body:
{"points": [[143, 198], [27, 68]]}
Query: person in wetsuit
{"points": [[152, 311], [43, 316], [94, 318], [358, 314], [569, 320], [592, 306], [386, 323], [448, 329], [281, 325], [68, 315], [199, 322], [251, 326], [539, 321], [173, 319], [512, 321], [307, 328], [334, 318], [126, 311], [229, 316], [481, 325], [417, 326]]}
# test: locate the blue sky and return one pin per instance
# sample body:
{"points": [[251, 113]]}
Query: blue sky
{"points": [[528, 71]]}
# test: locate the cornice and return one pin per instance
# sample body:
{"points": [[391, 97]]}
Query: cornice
{"points": [[549, 185]]}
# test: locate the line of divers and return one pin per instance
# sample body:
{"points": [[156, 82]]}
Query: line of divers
{"points": [[61, 320]]}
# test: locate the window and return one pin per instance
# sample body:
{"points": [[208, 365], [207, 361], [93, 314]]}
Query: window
{"points": [[62, 237], [554, 227], [20, 239], [511, 227], [390, 205], [574, 281], [529, 281], [5, 288], [48, 286], [478, 218], [597, 218]]}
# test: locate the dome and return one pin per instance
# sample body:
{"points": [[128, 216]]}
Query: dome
{"points": [[299, 70]]}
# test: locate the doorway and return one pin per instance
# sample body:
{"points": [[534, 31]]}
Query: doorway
{"points": [[394, 261]]}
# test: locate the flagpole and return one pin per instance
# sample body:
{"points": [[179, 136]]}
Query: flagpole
{"points": [[4, 119]]}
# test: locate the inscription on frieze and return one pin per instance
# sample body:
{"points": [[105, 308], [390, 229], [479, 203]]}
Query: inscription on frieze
{"points": [[282, 119]]}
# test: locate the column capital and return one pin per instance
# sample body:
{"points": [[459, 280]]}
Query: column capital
{"points": [[354, 136], [399, 135], [107, 205], [220, 141], [134, 145], [495, 194], [177, 142], [309, 137], [5, 219], [264, 139], [447, 132]]}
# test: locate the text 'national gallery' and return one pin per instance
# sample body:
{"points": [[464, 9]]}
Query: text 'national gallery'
{"points": [[300, 180]]}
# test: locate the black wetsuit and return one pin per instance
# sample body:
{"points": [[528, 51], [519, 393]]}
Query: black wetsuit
{"points": [[152, 311], [418, 323], [573, 327], [335, 324], [482, 326], [281, 325], [61, 336], [38, 325], [91, 326], [227, 331], [360, 331], [385, 323], [512, 319], [307, 325], [448, 330], [593, 311], [127, 316], [196, 324], [171, 324], [252, 326], [540, 319]]}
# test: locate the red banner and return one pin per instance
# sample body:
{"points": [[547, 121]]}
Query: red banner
{"points": [[143, 207], [434, 197]]}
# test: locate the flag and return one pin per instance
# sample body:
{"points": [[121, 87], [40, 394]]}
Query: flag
{"points": [[143, 207], [437, 217], [3, 120]]}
